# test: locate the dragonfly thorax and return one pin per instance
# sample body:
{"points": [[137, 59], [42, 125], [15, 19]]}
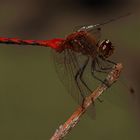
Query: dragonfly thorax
{"points": [[105, 49], [80, 42]]}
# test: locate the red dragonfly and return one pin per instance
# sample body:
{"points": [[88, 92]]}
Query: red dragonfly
{"points": [[75, 55]]}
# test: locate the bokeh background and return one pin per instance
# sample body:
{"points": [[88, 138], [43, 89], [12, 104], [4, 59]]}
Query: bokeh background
{"points": [[33, 102]]}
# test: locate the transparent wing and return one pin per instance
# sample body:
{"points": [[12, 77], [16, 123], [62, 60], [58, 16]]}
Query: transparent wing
{"points": [[94, 30], [118, 94], [67, 64]]}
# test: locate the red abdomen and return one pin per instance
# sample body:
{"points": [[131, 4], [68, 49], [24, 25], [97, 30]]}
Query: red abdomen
{"points": [[54, 43]]}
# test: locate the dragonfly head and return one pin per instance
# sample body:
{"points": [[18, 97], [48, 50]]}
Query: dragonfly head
{"points": [[105, 49]]}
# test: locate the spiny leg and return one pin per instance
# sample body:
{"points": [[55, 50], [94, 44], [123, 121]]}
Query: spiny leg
{"points": [[81, 74], [111, 62], [85, 84], [73, 68], [93, 69], [81, 77], [101, 68], [72, 65], [76, 80]]}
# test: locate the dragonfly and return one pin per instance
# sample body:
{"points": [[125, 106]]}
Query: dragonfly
{"points": [[80, 52]]}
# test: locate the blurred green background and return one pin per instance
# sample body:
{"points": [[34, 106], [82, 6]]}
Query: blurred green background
{"points": [[33, 102]]}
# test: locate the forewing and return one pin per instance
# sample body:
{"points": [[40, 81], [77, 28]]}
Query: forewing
{"points": [[120, 96], [94, 30], [67, 64]]}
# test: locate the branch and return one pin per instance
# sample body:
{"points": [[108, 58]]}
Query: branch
{"points": [[75, 117]]}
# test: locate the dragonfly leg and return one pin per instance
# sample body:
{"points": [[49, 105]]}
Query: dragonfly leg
{"points": [[76, 80], [109, 61], [93, 69], [81, 74], [102, 69], [81, 78], [100, 100]]}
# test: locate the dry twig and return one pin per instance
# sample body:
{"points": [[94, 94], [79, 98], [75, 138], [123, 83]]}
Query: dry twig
{"points": [[75, 117]]}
